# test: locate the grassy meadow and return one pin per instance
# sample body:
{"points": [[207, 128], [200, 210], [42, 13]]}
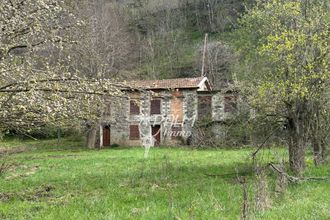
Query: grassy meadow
{"points": [[51, 180]]}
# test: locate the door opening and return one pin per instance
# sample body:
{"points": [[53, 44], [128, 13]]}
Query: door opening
{"points": [[156, 134], [106, 136]]}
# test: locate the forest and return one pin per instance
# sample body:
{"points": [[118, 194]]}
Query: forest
{"points": [[64, 62]]}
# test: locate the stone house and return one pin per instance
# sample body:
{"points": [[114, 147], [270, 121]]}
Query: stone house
{"points": [[162, 112]]}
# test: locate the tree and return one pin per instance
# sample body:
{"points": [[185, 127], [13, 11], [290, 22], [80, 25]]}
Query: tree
{"points": [[286, 48], [105, 46], [34, 89], [167, 32], [219, 57], [104, 50]]}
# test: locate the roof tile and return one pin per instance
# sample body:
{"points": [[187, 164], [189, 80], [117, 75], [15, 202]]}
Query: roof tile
{"points": [[179, 83]]}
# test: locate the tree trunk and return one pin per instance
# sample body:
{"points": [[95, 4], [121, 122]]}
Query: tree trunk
{"points": [[317, 151], [297, 156], [91, 136], [318, 137], [297, 146], [324, 152]]}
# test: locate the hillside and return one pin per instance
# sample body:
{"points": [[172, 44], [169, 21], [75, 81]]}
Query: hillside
{"points": [[164, 39]]}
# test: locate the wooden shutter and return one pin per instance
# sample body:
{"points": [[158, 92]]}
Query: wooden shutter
{"points": [[106, 135], [155, 107], [134, 132], [204, 107], [134, 107]]}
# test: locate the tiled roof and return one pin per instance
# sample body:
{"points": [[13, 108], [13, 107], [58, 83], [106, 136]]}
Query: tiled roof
{"points": [[179, 83]]}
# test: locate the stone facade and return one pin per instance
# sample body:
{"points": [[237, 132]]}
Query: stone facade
{"points": [[179, 110]]}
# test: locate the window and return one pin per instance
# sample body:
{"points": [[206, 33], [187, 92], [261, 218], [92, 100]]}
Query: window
{"points": [[204, 107], [155, 107], [134, 107], [230, 103], [134, 132], [176, 131]]}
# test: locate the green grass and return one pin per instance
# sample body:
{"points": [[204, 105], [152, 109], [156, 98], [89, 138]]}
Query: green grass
{"points": [[65, 181]]}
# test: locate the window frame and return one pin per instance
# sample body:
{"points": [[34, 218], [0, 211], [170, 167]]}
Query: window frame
{"points": [[137, 132], [151, 106], [134, 103]]}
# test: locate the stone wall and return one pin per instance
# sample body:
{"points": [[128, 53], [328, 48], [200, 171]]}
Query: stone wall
{"points": [[218, 113], [189, 113], [120, 118]]}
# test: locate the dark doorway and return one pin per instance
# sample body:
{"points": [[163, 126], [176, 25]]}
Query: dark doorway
{"points": [[156, 134], [106, 136]]}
